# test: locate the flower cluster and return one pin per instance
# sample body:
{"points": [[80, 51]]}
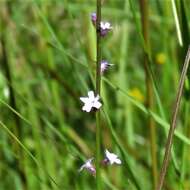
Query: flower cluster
{"points": [[110, 159], [105, 27], [92, 103]]}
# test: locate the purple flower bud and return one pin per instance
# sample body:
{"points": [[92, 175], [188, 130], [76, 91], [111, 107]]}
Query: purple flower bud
{"points": [[93, 18], [105, 161]]}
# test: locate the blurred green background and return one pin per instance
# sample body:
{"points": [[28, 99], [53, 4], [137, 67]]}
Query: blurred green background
{"points": [[47, 61]]}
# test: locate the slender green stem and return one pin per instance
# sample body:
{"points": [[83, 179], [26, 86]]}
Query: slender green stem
{"points": [[149, 90], [176, 18], [98, 84], [5, 63], [173, 122], [28, 152], [98, 49], [184, 148]]}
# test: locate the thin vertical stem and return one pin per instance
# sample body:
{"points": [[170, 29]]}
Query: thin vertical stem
{"points": [[173, 122], [185, 147], [98, 85], [5, 63], [149, 90], [98, 50]]}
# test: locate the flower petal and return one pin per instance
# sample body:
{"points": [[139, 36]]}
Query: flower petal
{"points": [[107, 153], [117, 161], [81, 168], [97, 105], [91, 95], [87, 107], [84, 99]]}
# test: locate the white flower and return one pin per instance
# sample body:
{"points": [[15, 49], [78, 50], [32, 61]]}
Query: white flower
{"points": [[90, 102], [88, 166], [111, 158], [105, 25]]}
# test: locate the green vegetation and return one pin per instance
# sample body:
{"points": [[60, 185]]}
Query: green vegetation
{"points": [[48, 56]]}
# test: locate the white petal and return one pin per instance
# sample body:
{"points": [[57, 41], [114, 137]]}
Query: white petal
{"points": [[97, 105], [89, 161], [102, 25], [107, 24], [111, 162], [91, 95], [87, 107], [81, 168], [113, 158], [87, 165], [107, 153], [117, 161], [84, 99]]}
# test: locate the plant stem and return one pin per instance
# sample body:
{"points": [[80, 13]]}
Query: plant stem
{"points": [[149, 90], [173, 122], [98, 85], [184, 147], [5, 63]]}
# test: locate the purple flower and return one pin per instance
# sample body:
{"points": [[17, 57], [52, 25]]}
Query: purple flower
{"points": [[104, 66], [88, 166]]}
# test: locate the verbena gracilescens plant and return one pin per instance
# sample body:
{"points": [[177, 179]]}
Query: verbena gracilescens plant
{"points": [[93, 103]]}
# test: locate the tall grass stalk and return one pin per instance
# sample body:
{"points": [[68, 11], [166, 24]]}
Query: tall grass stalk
{"points": [[149, 90], [173, 122], [174, 9], [5, 42], [98, 85], [184, 148]]}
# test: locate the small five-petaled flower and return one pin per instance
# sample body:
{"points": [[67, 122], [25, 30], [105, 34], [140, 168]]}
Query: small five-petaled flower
{"points": [[111, 158], [90, 102], [88, 166], [105, 27]]}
